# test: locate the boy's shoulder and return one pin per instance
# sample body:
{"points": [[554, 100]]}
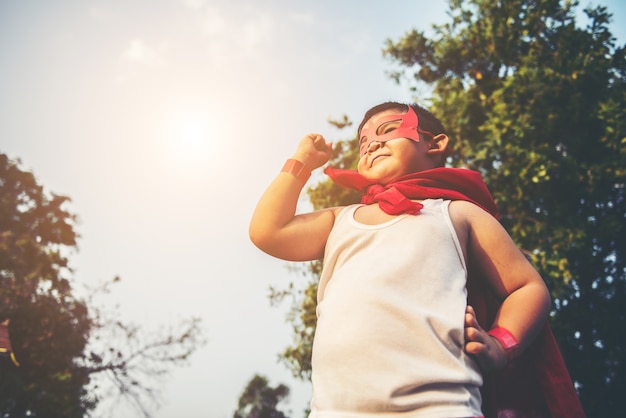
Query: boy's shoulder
{"points": [[463, 212], [467, 208]]}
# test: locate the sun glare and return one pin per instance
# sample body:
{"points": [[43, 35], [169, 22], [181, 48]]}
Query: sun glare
{"points": [[191, 135]]}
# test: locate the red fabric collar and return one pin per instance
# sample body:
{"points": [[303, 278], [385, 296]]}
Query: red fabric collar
{"points": [[396, 197]]}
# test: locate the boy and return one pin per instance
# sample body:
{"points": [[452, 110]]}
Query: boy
{"points": [[395, 334]]}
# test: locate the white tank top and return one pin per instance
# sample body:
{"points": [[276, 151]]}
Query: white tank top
{"points": [[391, 304]]}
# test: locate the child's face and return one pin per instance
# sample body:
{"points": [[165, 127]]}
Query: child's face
{"points": [[386, 161]]}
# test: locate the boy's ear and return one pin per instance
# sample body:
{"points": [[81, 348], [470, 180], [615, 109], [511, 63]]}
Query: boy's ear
{"points": [[438, 144]]}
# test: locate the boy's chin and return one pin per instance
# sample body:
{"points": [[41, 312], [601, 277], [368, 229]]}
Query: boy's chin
{"points": [[381, 173], [382, 180]]}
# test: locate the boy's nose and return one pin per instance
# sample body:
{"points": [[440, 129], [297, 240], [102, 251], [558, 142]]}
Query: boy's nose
{"points": [[374, 145]]}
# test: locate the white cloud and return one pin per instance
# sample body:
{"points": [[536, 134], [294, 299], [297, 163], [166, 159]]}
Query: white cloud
{"points": [[257, 31], [139, 52], [236, 34], [99, 13], [138, 56], [236, 30], [195, 4], [213, 21], [302, 18]]}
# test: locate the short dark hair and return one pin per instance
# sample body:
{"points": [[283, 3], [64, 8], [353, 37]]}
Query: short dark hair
{"points": [[427, 121]]}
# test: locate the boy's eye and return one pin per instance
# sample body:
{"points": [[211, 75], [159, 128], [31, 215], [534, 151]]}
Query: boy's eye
{"points": [[388, 127]]}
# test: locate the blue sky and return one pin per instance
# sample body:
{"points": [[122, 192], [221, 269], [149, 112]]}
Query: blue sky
{"points": [[164, 121]]}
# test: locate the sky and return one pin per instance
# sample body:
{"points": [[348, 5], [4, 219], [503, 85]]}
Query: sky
{"points": [[164, 121]]}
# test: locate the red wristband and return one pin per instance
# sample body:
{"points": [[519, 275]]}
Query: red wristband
{"points": [[507, 340], [296, 168]]}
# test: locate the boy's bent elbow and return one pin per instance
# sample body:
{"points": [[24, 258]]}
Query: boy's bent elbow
{"points": [[268, 242], [547, 300], [539, 300], [261, 239], [303, 238]]}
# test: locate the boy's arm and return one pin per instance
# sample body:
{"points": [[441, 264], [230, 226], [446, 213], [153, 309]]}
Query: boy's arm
{"points": [[275, 228], [525, 297]]}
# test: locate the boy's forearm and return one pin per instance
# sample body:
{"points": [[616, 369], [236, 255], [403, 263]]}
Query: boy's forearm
{"points": [[275, 228], [276, 207], [524, 313]]}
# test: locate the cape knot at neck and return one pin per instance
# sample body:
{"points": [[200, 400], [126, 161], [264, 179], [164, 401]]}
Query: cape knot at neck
{"points": [[437, 183], [372, 191], [390, 200]]}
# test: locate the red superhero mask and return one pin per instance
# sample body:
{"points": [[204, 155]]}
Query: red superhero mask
{"points": [[409, 128]]}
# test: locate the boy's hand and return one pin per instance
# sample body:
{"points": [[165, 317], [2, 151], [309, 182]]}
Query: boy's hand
{"points": [[487, 351], [314, 151]]}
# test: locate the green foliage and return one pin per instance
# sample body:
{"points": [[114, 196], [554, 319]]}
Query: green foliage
{"points": [[302, 317], [537, 104], [72, 354], [259, 400], [49, 326]]}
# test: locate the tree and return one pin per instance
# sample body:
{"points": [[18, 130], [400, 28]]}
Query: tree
{"points": [[259, 400], [54, 333], [537, 104]]}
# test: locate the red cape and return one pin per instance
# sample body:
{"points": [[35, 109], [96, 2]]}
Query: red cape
{"points": [[534, 385], [395, 198]]}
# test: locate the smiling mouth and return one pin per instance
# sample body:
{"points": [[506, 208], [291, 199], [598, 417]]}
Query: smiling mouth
{"points": [[376, 158]]}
